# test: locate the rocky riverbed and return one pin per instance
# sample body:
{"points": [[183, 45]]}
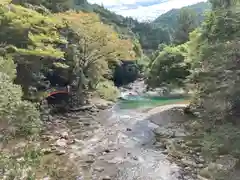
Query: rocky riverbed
{"points": [[180, 137], [112, 144], [105, 142]]}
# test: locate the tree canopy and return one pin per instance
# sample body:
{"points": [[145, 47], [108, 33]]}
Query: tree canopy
{"points": [[169, 68], [215, 54]]}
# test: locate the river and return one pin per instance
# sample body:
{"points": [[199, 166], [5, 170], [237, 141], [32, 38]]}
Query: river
{"points": [[123, 147]]}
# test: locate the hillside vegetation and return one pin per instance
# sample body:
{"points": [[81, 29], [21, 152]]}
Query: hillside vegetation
{"points": [[169, 19], [50, 43], [205, 60], [43, 46], [149, 34]]}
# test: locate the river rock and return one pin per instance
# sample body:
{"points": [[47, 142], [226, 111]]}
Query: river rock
{"points": [[163, 132], [160, 145], [103, 104], [90, 159], [173, 148], [201, 178], [183, 146], [200, 165], [64, 135], [107, 151], [61, 143], [200, 159], [48, 137], [193, 143], [20, 145], [106, 178], [165, 152], [227, 162], [86, 123], [195, 125], [99, 169], [46, 151], [135, 158], [46, 178], [60, 152], [188, 162], [187, 168]]}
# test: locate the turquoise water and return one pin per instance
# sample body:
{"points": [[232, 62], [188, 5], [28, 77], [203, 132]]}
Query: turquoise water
{"points": [[133, 102]]}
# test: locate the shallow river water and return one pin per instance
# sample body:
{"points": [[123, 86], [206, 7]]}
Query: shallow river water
{"points": [[123, 146]]}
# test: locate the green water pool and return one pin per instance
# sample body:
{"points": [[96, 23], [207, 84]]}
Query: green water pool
{"points": [[145, 102]]}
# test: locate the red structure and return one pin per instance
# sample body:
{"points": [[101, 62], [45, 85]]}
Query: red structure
{"points": [[59, 90]]}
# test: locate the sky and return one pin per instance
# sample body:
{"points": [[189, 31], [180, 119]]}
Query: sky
{"points": [[143, 9]]}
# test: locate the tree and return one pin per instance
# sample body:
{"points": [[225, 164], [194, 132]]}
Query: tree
{"points": [[53, 5], [216, 63], [16, 115], [96, 46], [34, 41], [168, 69], [187, 22]]}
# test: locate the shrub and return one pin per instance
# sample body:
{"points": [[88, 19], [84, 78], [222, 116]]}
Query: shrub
{"points": [[107, 90], [20, 165], [223, 139], [16, 115]]}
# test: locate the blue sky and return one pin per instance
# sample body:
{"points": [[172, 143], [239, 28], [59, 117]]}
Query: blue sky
{"points": [[143, 9]]}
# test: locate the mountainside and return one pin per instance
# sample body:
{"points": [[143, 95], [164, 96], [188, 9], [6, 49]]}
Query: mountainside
{"points": [[148, 35], [169, 19]]}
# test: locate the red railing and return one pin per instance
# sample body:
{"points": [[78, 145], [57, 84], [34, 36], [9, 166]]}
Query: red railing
{"points": [[58, 90]]}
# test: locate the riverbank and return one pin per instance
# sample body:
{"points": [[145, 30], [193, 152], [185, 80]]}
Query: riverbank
{"points": [[50, 155], [115, 144], [186, 142], [103, 142]]}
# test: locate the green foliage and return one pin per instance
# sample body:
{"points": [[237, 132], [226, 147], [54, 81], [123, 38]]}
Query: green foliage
{"points": [[53, 5], [8, 67], [107, 90], [216, 71], [147, 34], [16, 115], [20, 164], [187, 22], [224, 139], [96, 46], [33, 40], [143, 63], [169, 68], [169, 20], [150, 36]]}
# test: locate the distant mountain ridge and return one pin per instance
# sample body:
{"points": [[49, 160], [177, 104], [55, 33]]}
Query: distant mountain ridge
{"points": [[169, 19], [149, 34]]}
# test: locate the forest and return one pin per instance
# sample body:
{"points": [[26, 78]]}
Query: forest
{"points": [[49, 43]]}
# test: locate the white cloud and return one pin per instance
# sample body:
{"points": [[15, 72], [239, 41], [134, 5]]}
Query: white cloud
{"points": [[134, 8], [119, 2]]}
